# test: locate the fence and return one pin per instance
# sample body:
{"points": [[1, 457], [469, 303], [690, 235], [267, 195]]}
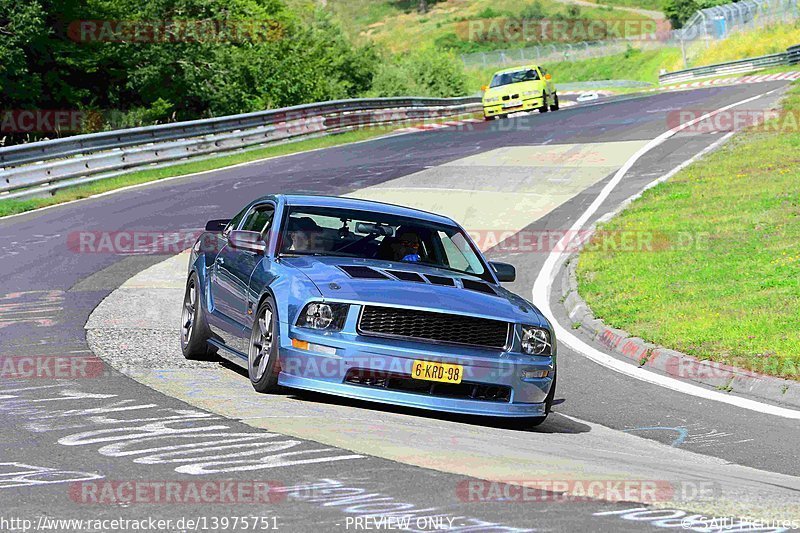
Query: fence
{"points": [[46, 166], [718, 22], [790, 57], [730, 67], [706, 25]]}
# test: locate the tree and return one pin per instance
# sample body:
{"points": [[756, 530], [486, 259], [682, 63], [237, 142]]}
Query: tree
{"points": [[679, 11]]}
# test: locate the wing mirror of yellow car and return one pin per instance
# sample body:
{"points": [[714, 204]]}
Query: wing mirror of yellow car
{"points": [[485, 88], [548, 76]]}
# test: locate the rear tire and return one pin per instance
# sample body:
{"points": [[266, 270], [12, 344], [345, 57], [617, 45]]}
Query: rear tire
{"points": [[262, 357], [555, 106], [544, 108], [194, 328]]}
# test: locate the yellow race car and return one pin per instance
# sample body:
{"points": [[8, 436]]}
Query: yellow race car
{"points": [[519, 89]]}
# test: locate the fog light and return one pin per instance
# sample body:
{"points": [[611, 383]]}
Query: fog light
{"points": [[535, 374]]}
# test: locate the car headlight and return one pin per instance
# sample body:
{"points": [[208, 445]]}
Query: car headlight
{"points": [[323, 316], [536, 341], [529, 93], [491, 100]]}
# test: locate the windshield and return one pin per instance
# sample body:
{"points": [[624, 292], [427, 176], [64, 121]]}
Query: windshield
{"points": [[368, 235], [507, 78]]}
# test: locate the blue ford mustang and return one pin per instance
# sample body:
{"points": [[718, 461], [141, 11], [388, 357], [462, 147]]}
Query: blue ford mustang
{"points": [[370, 301]]}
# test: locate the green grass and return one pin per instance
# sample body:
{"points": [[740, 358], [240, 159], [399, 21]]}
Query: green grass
{"points": [[652, 5], [635, 65], [733, 295], [759, 42], [12, 207], [400, 28]]}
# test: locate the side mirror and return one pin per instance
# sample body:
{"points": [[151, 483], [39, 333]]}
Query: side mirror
{"points": [[217, 225], [485, 88], [548, 77], [247, 240], [505, 273]]}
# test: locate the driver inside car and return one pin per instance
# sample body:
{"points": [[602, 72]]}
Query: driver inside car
{"points": [[406, 247], [305, 235]]}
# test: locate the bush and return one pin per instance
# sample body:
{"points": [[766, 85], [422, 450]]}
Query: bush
{"points": [[426, 72], [489, 13], [532, 11]]}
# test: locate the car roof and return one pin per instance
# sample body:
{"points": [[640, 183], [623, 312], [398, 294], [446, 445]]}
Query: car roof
{"points": [[516, 69], [363, 205]]}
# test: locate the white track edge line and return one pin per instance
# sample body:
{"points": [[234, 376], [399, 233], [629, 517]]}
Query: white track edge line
{"points": [[544, 283]]}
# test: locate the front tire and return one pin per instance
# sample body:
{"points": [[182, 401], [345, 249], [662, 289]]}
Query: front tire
{"points": [[194, 329], [544, 107], [555, 106], [262, 357]]}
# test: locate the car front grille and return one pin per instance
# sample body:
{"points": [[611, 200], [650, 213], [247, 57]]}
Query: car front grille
{"points": [[433, 327], [405, 383]]}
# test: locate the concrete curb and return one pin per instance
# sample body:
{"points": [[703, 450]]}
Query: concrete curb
{"points": [[671, 362]]}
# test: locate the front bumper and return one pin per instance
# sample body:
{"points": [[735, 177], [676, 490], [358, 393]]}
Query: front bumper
{"points": [[498, 109], [334, 357]]}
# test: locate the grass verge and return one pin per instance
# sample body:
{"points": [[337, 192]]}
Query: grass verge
{"points": [[721, 280], [767, 40], [13, 206]]}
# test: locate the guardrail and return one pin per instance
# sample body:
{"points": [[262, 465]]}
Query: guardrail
{"points": [[731, 67], [793, 55], [46, 166]]}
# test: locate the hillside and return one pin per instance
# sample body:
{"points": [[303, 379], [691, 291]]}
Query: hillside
{"points": [[451, 24]]}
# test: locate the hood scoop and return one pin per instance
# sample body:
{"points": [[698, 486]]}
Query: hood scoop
{"points": [[441, 280], [478, 286], [362, 272], [406, 276], [365, 272]]}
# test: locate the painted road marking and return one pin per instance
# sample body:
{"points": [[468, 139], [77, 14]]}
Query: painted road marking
{"points": [[153, 435], [544, 282]]}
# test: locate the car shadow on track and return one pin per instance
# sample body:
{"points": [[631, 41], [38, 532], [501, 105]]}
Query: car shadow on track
{"points": [[554, 424]]}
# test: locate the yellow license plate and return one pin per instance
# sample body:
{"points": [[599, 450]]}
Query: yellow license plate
{"points": [[442, 372]]}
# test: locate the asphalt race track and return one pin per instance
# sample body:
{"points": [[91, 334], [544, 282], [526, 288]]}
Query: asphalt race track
{"points": [[341, 465]]}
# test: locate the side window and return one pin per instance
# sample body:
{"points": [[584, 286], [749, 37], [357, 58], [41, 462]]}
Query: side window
{"points": [[234, 222], [259, 218], [455, 256]]}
